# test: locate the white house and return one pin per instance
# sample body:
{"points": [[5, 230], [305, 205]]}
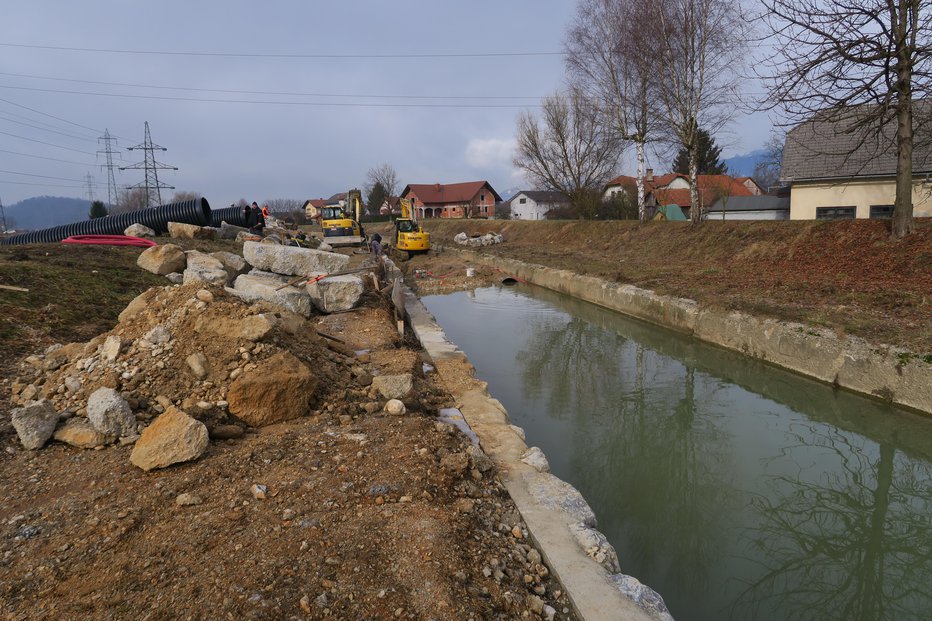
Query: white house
{"points": [[534, 205]]}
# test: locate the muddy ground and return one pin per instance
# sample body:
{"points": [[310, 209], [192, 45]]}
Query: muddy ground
{"points": [[365, 515]]}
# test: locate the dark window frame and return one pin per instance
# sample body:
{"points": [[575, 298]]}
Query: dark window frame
{"points": [[881, 212], [845, 212]]}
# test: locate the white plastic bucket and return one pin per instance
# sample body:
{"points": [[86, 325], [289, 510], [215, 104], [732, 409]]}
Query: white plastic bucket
{"points": [[470, 272]]}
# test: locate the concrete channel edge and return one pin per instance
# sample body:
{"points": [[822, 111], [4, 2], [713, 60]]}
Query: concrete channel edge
{"points": [[559, 520], [884, 372]]}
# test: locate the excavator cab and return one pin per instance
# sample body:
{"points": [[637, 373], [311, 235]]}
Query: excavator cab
{"points": [[410, 238], [340, 223]]}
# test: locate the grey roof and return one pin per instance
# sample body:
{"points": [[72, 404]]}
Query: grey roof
{"points": [[543, 196], [753, 203], [831, 145]]}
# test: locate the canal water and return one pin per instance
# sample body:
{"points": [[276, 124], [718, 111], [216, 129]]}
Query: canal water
{"points": [[734, 489]]}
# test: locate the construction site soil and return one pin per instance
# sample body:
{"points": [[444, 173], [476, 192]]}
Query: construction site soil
{"points": [[347, 512], [848, 275]]}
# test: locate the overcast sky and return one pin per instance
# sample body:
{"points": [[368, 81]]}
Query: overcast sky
{"points": [[312, 126]]}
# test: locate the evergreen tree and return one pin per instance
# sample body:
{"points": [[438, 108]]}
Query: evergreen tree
{"points": [[709, 162], [377, 196], [97, 210]]}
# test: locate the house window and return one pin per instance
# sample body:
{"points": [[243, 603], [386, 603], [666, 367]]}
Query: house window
{"points": [[522, 200], [881, 212], [834, 213], [482, 197]]}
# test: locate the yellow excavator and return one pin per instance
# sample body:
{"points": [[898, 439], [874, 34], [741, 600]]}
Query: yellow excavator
{"points": [[340, 221], [410, 238]]}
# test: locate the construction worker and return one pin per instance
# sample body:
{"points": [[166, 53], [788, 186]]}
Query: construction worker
{"points": [[265, 211]]}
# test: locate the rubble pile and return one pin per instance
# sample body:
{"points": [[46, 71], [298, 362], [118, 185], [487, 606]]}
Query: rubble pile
{"points": [[187, 352], [477, 241]]}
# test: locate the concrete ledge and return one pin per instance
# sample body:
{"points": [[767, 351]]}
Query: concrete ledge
{"points": [[883, 372], [553, 511]]}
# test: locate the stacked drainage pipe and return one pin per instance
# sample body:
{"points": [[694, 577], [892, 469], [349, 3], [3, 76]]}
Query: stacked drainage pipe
{"points": [[195, 211], [230, 215]]}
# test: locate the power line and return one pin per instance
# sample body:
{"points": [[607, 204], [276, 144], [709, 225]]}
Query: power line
{"points": [[34, 120], [44, 185], [58, 146], [42, 157], [51, 116], [278, 103], [283, 55], [52, 131], [280, 93], [13, 172]]}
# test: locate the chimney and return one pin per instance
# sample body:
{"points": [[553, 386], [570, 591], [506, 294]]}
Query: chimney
{"points": [[650, 175]]}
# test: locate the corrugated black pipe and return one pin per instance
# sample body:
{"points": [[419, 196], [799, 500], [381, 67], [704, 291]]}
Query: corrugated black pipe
{"points": [[195, 211], [230, 215]]}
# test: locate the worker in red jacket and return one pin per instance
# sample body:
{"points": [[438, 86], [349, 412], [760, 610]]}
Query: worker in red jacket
{"points": [[265, 211]]}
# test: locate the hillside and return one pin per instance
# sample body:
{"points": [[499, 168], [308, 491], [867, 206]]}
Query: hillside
{"points": [[849, 275], [45, 211]]}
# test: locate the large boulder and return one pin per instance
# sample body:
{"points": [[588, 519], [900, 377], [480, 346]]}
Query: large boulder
{"points": [[162, 260], [280, 389], [140, 303], [204, 268], [293, 261], [179, 230], [394, 386], [139, 230], [252, 288], [35, 423], [81, 433], [555, 493], [230, 231], [172, 438], [337, 293], [232, 263], [110, 414]]}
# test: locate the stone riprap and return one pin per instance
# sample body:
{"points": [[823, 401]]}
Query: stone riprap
{"points": [[292, 261]]}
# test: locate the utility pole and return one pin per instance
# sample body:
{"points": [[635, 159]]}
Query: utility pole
{"points": [[111, 182], [151, 166], [89, 186], [2, 218]]}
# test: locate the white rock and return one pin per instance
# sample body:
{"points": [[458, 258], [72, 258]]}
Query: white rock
{"points": [[197, 362], [535, 458], [158, 335], [139, 230], [555, 493], [111, 348], [337, 293], [292, 261], [204, 268], [35, 423], [253, 288], [395, 407], [110, 414]]}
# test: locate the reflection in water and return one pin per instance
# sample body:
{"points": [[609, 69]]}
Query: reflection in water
{"points": [[735, 489]]}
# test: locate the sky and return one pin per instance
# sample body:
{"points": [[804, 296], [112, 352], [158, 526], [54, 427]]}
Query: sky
{"points": [[278, 99]]}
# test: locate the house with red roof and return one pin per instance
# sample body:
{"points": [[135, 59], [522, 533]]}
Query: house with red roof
{"points": [[472, 199], [673, 189]]}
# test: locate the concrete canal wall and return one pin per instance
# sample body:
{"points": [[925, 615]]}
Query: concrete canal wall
{"points": [[883, 372]]}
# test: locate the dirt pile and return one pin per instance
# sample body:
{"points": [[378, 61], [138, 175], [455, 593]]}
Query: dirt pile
{"points": [[195, 349]]}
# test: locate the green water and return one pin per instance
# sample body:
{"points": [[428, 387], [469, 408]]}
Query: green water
{"points": [[734, 489]]}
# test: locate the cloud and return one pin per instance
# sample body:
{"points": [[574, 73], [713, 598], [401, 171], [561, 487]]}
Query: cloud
{"points": [[490, 153]]}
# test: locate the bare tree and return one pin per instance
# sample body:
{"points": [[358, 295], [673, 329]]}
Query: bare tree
{"points": [[699, 47], [609, 59], [384, 175], [570, 150], [832, 55], [180, 196], [283, 205], [767, 169], [131, 199]]}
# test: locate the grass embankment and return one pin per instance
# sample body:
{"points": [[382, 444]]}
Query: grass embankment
{"points": [[849, 276], [75, 292]]}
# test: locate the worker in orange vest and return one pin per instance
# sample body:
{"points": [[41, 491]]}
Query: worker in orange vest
{"points": [[265, 210]]}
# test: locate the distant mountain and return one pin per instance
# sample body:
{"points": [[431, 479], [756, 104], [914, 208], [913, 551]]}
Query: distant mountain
{"points": [[743, 165], [42, 212]]}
